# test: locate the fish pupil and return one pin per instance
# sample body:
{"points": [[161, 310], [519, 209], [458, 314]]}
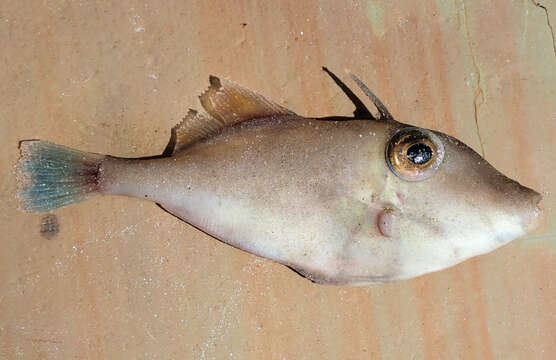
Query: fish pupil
{"points": [[419, 153]]}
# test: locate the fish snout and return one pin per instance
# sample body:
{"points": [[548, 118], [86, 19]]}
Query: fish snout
{"points": [[526, 205], [535, 210]]}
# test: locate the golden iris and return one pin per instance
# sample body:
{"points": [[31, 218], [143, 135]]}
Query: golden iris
{"points": [[414, 154]]}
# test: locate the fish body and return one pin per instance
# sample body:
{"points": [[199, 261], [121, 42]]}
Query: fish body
{"points": [[326, 197]]}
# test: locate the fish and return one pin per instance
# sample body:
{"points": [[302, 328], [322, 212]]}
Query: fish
{"points": [[352, 201]]}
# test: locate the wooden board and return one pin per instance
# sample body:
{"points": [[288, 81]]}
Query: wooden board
{"points": [[122, 279]]}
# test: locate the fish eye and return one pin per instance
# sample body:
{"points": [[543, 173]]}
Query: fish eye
{"points": [[414, 154]]}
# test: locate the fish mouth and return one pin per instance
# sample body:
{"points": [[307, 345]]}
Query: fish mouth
{"points": [[533, 215], [537, 198]]}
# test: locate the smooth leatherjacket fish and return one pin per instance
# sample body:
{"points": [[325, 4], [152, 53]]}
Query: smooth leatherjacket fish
{"points": [[340, 200]]}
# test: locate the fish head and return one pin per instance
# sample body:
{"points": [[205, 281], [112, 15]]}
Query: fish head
{"points": [[446, 203]]}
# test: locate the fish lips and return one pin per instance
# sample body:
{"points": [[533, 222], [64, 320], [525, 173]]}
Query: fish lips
{"points": [[531, 209]]}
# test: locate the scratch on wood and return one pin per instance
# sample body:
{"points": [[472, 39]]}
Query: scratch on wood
{"points": [[50, 341], [128, 228], [150, 335], [224, 323]]}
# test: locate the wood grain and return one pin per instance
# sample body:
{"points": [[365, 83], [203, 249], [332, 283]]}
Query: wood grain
{"points": [[123, 279]]}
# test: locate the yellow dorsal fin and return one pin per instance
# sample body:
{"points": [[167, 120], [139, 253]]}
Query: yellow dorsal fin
{"points": [[227, 104], [193, 127], [231, 103]]}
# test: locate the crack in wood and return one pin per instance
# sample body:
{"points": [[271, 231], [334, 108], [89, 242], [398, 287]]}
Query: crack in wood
{"points": [[478, 93], [539, 5]]}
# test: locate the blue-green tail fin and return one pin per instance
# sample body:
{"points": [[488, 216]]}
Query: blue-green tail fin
{"points": [[51, 176]]}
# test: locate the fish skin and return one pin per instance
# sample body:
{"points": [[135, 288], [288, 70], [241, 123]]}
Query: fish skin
{"points": [[312, 193], [307, 193]]}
